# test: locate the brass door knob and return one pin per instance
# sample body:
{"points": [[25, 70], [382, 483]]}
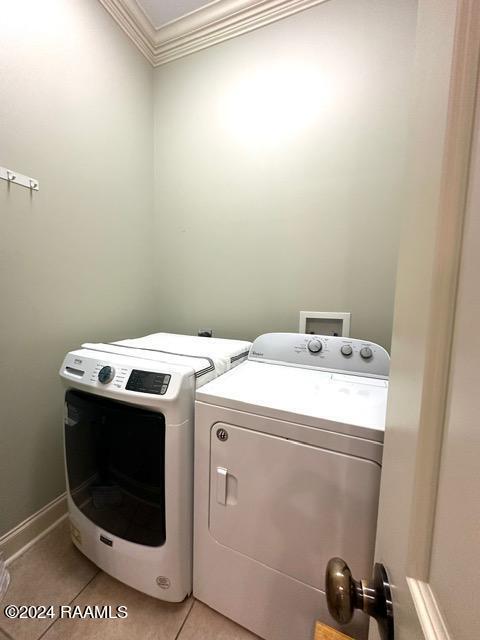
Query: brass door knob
{"points": [[373, 597]]}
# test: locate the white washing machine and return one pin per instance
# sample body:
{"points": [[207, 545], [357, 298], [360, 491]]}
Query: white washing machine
{"points": [[129, 409], [288, 452]]}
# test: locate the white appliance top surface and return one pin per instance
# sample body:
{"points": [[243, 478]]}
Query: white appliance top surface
{"points": [[291, 392], [208, 357]]}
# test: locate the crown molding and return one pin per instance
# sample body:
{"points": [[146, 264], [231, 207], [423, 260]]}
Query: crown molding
{"points": [[128, 15], [215, 22]]}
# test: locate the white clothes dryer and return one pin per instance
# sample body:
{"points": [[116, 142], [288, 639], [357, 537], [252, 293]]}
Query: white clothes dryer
{"points": [[129, 409], [288, 451]]}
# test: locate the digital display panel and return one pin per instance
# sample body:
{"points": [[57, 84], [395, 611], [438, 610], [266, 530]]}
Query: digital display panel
{"points": [[148, 382]]}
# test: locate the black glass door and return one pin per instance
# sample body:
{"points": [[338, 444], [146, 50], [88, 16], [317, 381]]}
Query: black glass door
{"points": [[116, 466]]}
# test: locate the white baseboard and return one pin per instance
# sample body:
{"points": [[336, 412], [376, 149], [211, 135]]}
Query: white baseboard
{"points": [[25, 534]]}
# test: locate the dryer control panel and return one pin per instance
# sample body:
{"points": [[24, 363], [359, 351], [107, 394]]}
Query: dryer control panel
{"points": [[327, 353]]}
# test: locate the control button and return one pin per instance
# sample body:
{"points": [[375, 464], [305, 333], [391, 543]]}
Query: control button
{"points": [[346, 350], [366, 353], [106, 374], [314, 346]]}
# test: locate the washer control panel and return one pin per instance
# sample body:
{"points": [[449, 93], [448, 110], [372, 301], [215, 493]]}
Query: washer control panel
{"points": [[148, 382], [328, 353], [116, 376]]}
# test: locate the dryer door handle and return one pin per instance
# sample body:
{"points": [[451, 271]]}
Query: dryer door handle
{"points": [[222, 474]]}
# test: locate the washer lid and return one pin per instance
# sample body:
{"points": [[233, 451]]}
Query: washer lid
{"points": [[343, 403]]}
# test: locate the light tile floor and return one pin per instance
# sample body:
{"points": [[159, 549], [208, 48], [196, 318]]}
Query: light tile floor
{"points": [[54, 572]]}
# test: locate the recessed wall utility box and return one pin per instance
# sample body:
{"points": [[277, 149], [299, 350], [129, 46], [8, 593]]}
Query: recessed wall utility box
{"points": [[326, 323]]}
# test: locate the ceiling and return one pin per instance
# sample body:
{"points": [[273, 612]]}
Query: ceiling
{"points": [[159, 12]]}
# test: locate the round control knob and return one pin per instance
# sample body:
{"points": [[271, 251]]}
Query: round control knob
{"points": [[346, 350], [314, 346], [366, 353], [106, 374]]}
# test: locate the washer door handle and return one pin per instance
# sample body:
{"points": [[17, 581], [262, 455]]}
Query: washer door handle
{"points": [[222, 474]]}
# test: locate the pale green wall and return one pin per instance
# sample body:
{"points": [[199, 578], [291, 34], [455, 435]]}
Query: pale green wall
{"points": [[75, 258], [279, 160]]}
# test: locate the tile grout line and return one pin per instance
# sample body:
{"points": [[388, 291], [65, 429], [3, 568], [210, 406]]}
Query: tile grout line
{"points": [[184, 620], [70, 602]]}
